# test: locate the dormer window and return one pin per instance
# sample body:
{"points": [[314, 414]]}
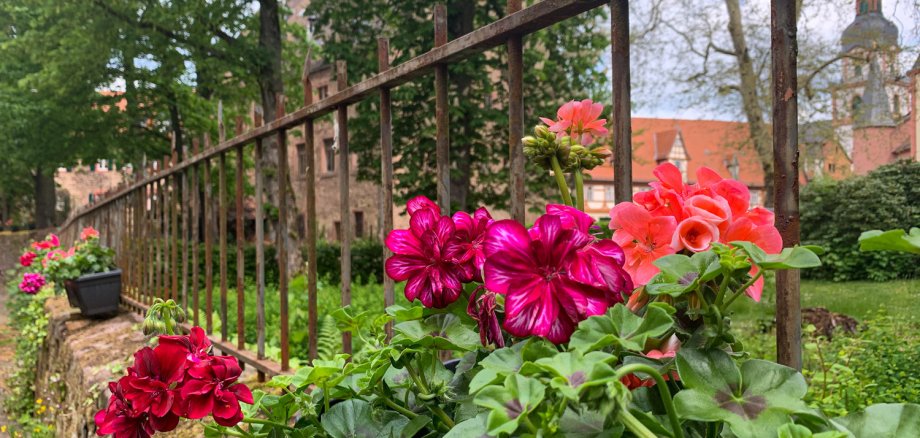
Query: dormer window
{"points": [[669, 146]]}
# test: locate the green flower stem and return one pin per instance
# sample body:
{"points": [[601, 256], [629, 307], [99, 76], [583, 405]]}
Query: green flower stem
{"points": [[726, 280], [266, 422], [743, 288], [662, 390], [529, 425], [579, 189], [396, 407], [560, 181], [325, 397], [241, 433], [423, 388], [634, 425]]}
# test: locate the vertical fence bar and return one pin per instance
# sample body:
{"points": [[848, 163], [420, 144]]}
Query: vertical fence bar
{"points": [[310, 214], [196, 223], [208, 238], [344, 204], [260, 240], [516, 118], [147, 260], [222, 240], [282, 234], [240, 262], [622, 122], [164, 218], [784, 50], [160, 227], [174, 229], [386, 168], [186, 224], [442, 112]]}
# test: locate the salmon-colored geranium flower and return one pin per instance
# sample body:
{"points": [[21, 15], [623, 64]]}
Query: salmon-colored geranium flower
{"points": [[579, 120], [643, 237], [694, 233]]}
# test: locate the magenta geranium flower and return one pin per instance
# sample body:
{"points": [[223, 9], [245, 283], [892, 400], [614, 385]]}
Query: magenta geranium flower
{"points": [[422, 202], [426, 256], [539, 274], [31, 282], [213, 389], [470, 231], [482, 309]]}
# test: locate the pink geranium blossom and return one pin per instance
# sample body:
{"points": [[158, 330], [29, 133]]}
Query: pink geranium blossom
{"points": [[533, 270], [427, 256], [89, 233], [579, 120]]}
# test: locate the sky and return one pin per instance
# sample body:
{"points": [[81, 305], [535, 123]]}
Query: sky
{"points": [[656, 93]]}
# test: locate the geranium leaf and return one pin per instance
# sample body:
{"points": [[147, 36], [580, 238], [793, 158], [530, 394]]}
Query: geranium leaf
{"points": [[351, 419], [798, 431], [587, 424], [883, 420], [507, 403], [891, 240], [472, 428], [760, 396], [619, 326], [797, 257], [439, 332]]}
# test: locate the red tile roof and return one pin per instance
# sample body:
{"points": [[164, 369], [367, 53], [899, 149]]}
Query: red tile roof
{"points": [[709, 143]]}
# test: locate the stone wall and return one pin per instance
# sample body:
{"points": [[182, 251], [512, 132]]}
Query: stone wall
{"points": [[78, 360]]}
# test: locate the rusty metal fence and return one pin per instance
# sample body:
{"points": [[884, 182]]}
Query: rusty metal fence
{"points": [[154, 222]]}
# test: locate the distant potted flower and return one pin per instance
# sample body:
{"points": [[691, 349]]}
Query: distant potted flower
{"points": [[89, 274]]}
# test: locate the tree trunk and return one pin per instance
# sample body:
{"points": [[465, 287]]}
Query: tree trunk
{"points": [[749, 99], [176, 123], [270, 86], [458, 26], [44, 198]]}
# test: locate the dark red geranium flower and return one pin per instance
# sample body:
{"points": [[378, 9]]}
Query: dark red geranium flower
{"points": [[212, 388], [149, 386], [196, 345], [120, 419], [470, 233], [482, 309], [426, 255], [26, 259]]}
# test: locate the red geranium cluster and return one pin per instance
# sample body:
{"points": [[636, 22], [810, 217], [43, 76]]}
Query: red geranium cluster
{"points": [[675, 216], [26, 259], [177, 379], [553, 275]]}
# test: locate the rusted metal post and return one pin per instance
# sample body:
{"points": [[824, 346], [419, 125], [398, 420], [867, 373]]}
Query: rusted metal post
{"points": [[174, 229], [622, 123], [222, 241], [344, 204], [386, 169], [208, 241], [516, 119], [282, 234], [784, 49], [240, 240], [310, 213], [186, 224], [442, 112], [260, 239], [196, 222]]}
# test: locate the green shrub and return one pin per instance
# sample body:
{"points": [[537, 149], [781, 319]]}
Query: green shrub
{"points": [[877, 365], [366, 261], [835, 213]]}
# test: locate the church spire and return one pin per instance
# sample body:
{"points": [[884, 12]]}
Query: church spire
{"points": [[874, 109]]}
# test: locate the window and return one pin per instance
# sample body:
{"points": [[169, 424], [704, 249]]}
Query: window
{"points": [[338, 231], [863, 7], [330, 155], [831, 167], [609, 194], [857, 102], [681, 166], [359, 224], [302, 159], [322, 92], [897, 106], [591, 193], [858, 71], [755, 198], [301, 226]]}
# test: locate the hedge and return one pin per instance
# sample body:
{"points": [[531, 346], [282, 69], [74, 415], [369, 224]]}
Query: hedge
{"points": [[834, 213]]}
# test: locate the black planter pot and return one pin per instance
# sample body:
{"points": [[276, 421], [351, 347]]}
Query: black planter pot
{"points": [[95, 294]]}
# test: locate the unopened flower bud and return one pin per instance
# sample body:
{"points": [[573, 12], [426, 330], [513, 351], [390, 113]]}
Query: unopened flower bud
{"points": [[529, 141], [542, 131], [637, 300]]}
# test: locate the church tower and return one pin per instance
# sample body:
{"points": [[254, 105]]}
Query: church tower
{"points": [[872, 91]]}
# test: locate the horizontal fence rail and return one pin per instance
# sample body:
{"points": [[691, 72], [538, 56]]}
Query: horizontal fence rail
{"points": [[159, 223]]}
